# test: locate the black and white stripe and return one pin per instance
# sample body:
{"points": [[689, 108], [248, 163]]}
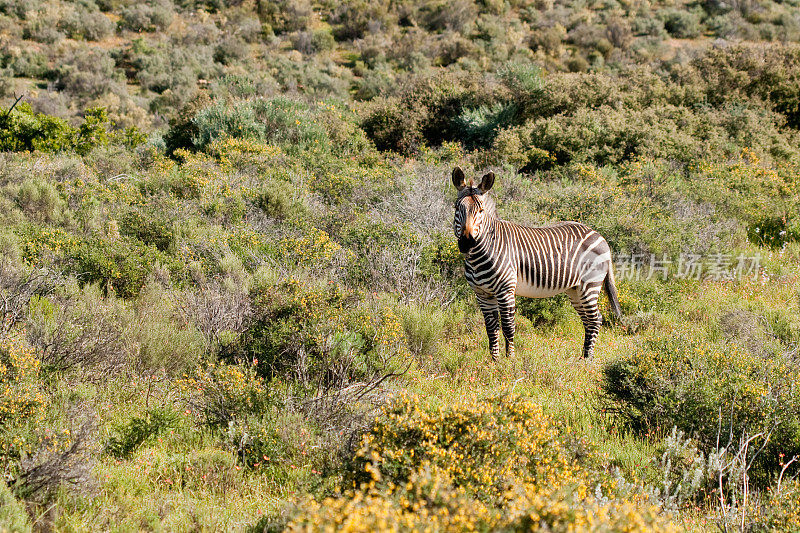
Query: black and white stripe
{"points": [[503, 259]]}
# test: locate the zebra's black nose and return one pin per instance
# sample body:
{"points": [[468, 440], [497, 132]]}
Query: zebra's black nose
{"points": [[465, 243]]}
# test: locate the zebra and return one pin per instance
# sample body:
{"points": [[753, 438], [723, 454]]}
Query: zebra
{"points": [[503, 259]]}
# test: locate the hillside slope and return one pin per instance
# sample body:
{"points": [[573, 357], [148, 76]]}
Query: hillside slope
{"points": [[232, 300]]}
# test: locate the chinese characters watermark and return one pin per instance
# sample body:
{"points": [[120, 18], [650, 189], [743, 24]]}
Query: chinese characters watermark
{"points": [[716, 266]]}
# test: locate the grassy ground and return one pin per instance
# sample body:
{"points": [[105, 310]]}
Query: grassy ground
{"points": [[184, 479]]}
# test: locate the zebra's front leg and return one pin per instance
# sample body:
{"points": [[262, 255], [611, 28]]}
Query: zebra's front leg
{"points": [[508, 307], [491, 317]]}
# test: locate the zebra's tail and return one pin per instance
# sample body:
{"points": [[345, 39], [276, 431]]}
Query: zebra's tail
{"points": [[611, 290]]}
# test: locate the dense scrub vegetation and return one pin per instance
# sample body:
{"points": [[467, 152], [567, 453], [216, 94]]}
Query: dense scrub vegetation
{"points": [[231, 298]]}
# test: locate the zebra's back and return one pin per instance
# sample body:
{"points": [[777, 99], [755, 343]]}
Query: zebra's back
{"points": [[551, 259]]}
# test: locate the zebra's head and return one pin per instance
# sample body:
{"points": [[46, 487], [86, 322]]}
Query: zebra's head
{"points": [[473, 208]]}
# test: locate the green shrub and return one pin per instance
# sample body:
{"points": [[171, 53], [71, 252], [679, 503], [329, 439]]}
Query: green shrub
{"points": [[230, 50], [41, 202], [545, 312], [28, 63], [150, 229], [23, 129], [609, 135], [277, 201], [737, 73], [392, 127], [82, 23], [150, 16], [291, 324], [128, 436], [424, 327], [709, 392], [13, 517], [426, 113], [773, 232], [682, 24], [477, 128], [121, 265], [221, 394], [81, 331], [312, 335], [441, 258], [280, 120], [259, 445], [352, 18], [88, 72]]}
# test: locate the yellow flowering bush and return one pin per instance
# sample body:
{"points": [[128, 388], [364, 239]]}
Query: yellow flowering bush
{"points": [[483, 444], [197, 176], [781, 512], [315, 248], [245, 154], [221, 393], [22, 400], [20, 395], [429, 502], [487, 465]]}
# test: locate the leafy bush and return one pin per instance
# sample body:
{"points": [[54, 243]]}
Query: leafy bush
{"points": [[773, 232], [610, 135], [148, 229], [24, 129], [545, 312], [27, 63], [276, 200], [82, 331], [478, 127], [220, 394], [739, 73], [128, 436], [428, 110], [119, 264], [41, 202], [682, 24], [282, 121], [150, 16], [82, 23], [709, 392], [12, 512], [86, 73], [313, 335], [424, 328], [259, 444]]}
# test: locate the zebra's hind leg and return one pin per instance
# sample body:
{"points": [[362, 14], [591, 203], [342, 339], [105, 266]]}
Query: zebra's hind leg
{"points": [[584, 300], [491, 316]]}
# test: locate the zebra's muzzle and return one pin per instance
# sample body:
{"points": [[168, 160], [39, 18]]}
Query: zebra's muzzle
{"points": [[465, 244]]}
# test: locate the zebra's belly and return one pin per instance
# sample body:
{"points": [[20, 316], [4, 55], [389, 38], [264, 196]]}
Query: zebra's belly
{"points": [[531, 291]]}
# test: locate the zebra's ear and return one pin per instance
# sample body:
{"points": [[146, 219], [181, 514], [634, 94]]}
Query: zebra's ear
{"points": [[487, 181], [459, 179]]}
